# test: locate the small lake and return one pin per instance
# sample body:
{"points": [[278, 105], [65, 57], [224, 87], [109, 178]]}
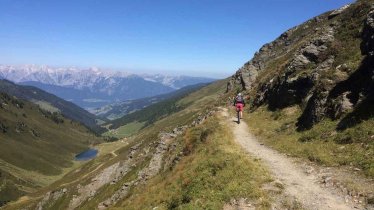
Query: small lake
{"points": [[87, 155]]}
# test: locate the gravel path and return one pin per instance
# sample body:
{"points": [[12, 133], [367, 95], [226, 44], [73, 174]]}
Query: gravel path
{"points": [[304, 188]]}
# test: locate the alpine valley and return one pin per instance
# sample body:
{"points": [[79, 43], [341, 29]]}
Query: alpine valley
{"points": [[306, 139]]}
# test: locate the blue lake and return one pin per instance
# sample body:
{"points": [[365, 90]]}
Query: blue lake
{"points": [[87, 155]]}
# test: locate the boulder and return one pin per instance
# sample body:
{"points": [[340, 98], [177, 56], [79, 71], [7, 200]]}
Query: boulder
{"points": [[315, 109], [289, 91], [340, 106], [299, 62], [311, 52]]}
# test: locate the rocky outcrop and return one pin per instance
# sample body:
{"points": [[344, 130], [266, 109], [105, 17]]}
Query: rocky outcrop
{"points": [[110, 175], [51, 197], [367, 45], [247, 74], [344, 94], [338, 11], [307, 66], [300, 75], [315, 109], [201, 118], [162, 146]]}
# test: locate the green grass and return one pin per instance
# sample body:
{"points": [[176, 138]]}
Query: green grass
{"points": [[348, 36], [37, 147], [126, 130], [197, 102], [322, 144], [213, 171]]}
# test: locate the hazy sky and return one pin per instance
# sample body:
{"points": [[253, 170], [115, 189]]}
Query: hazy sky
{"points": [[192, 37]]}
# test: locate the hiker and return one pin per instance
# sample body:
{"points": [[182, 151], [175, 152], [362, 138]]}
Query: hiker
{"points": [[239, 103]]}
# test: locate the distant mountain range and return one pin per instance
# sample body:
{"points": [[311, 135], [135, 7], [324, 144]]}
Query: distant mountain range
{"points": [[92, 88]]}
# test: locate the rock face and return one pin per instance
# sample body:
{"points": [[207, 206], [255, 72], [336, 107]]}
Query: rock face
{"points": [[109, 175], [247, 74], [294, 84], [308, 66], [51, 197], [367, 45]]}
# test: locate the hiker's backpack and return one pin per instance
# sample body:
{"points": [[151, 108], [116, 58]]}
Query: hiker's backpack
{"points": [[239, 99]]}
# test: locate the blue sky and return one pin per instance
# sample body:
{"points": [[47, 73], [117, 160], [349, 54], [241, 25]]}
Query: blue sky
{"points": [[191, 37]]}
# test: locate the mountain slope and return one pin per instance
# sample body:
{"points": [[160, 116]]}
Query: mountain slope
{"points": [[313, 65], [92, 88], [35, 145], [118, 110], [45, 99], [316, 83], [134, 156]]}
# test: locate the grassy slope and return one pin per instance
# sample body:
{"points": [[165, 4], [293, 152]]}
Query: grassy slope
{"points": [[214, 171], [68, 109], [126, 130], [322, 144], [201, 161], [197, 103], [34, 160], [212, 167]]}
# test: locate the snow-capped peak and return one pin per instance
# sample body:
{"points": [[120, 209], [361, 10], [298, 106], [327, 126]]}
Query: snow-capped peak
{"points": [[85, 78]]}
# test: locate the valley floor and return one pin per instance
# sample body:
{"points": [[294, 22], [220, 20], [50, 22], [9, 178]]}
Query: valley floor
{"points": [[308, 186]]}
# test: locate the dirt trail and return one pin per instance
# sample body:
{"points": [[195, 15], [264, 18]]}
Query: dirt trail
{"points": [[304, 188]]}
